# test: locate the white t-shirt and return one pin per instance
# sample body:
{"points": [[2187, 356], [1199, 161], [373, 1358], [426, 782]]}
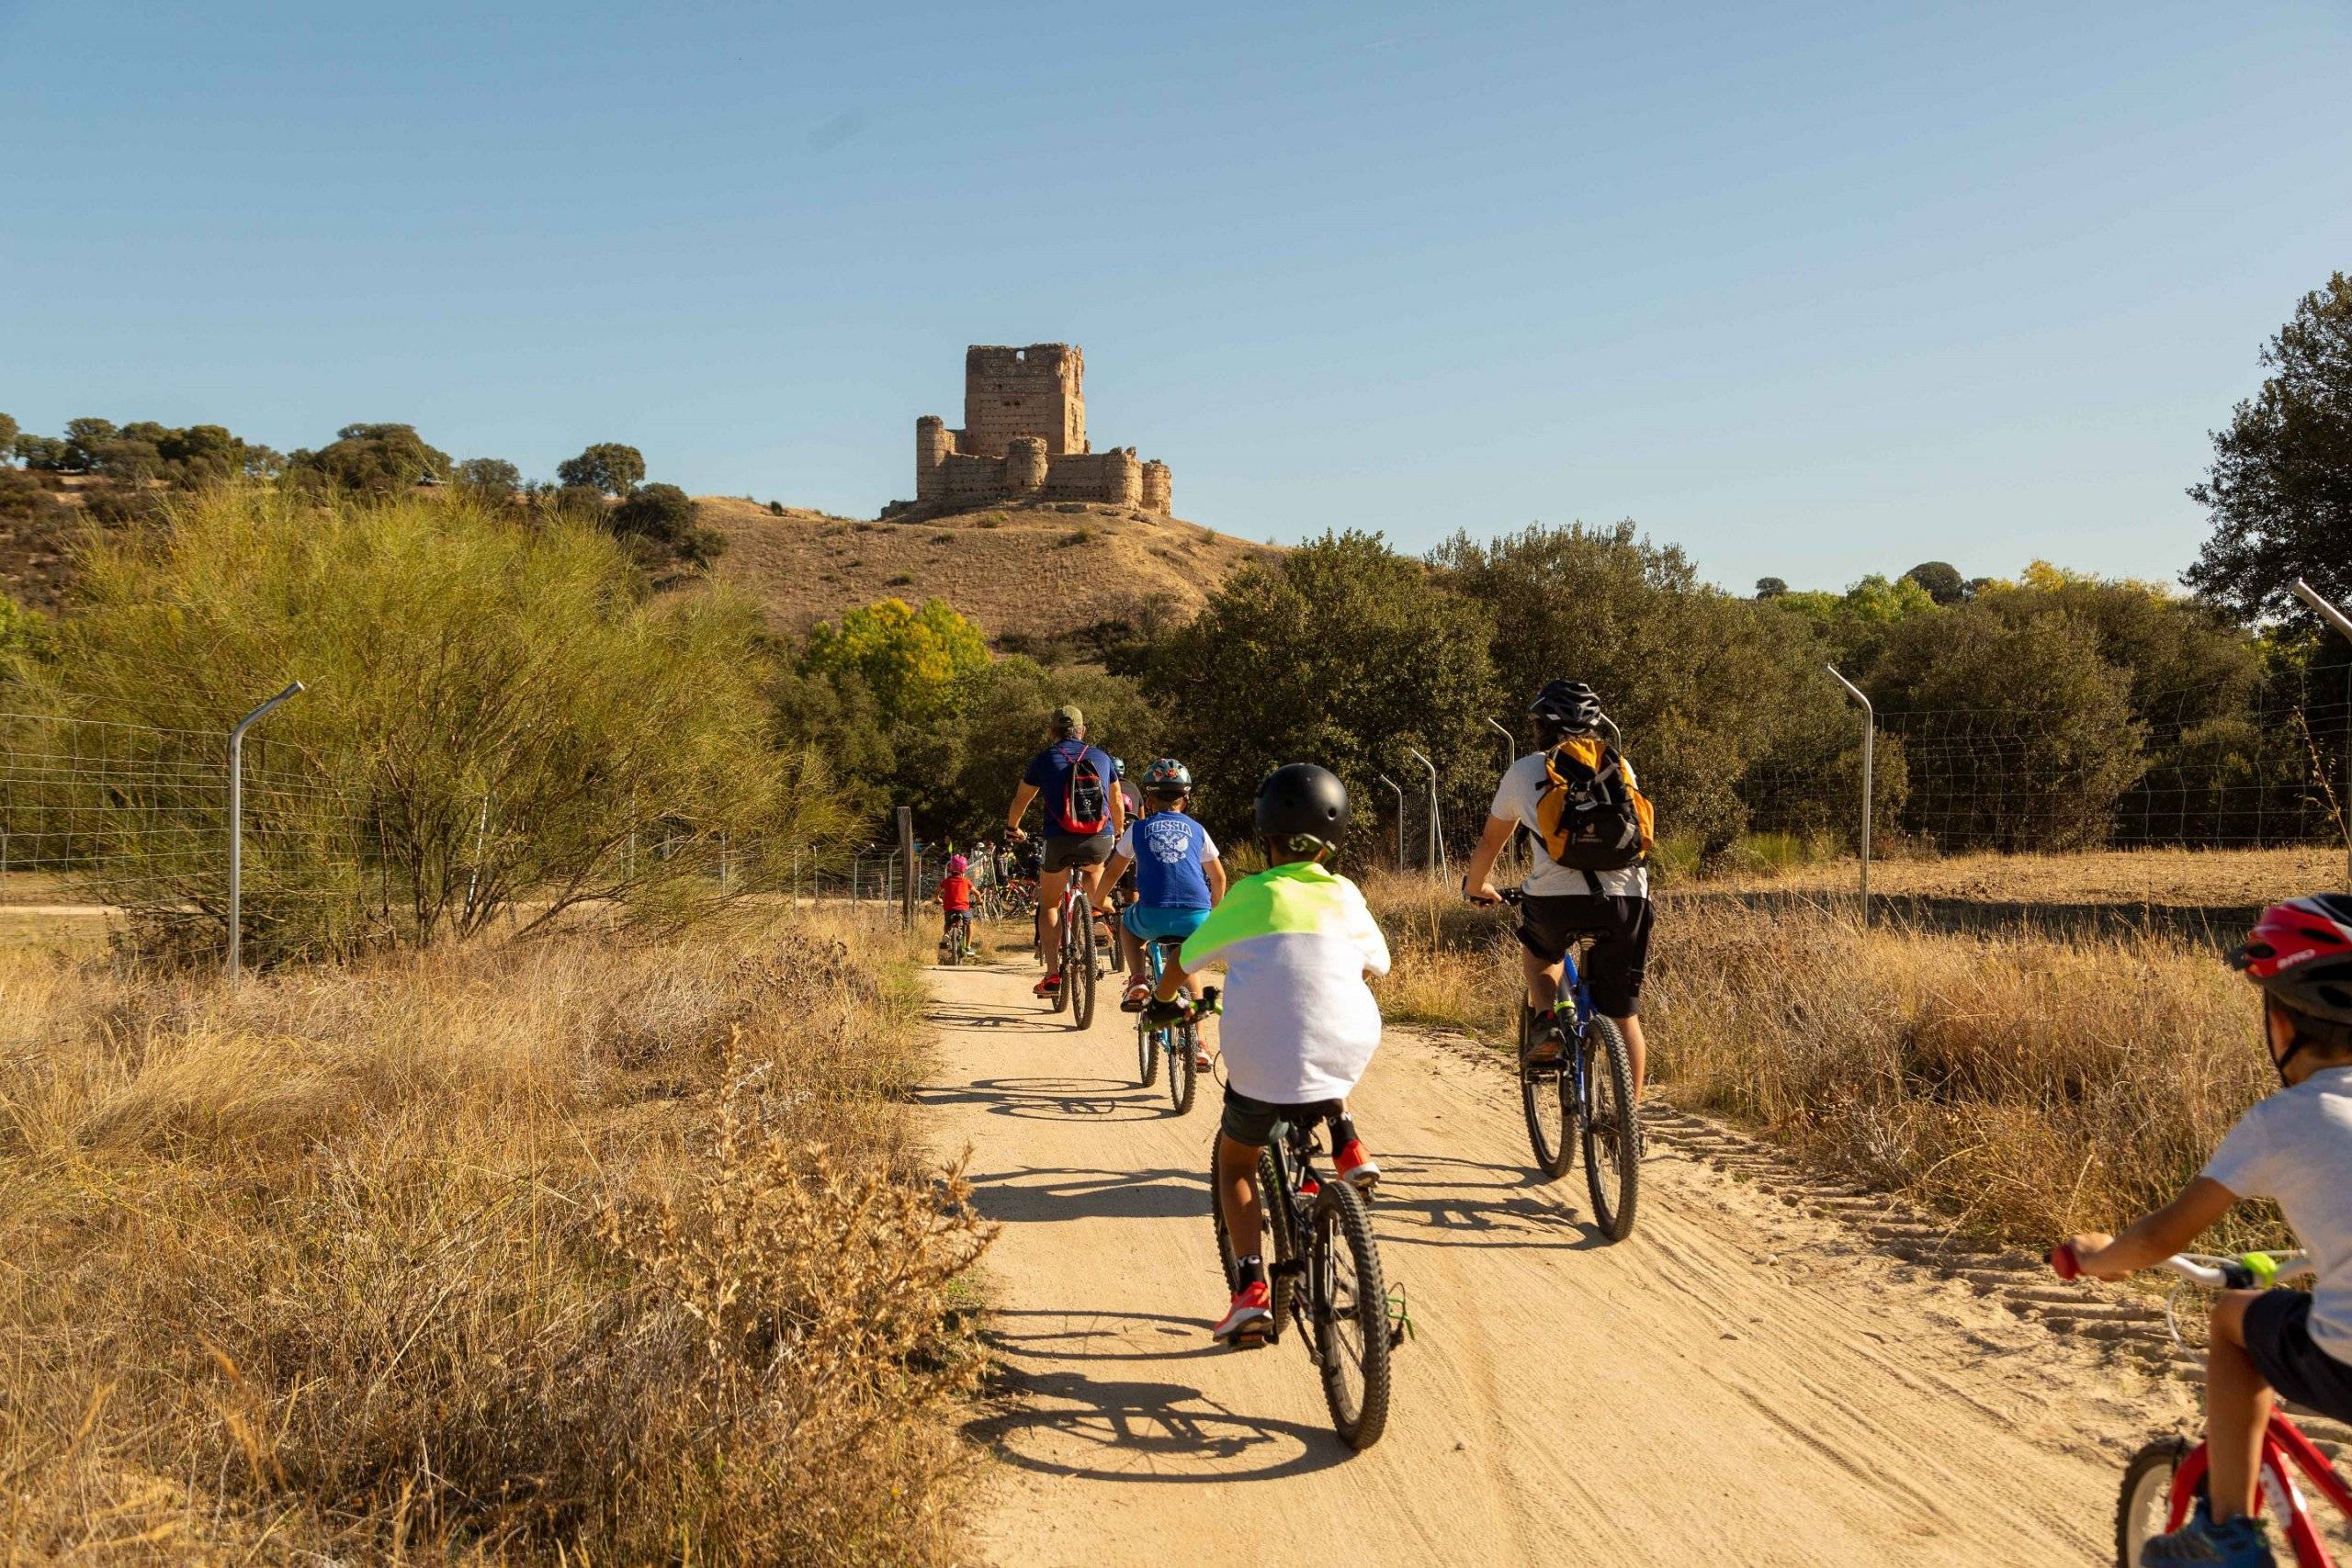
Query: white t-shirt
{"points": [[1515, 800], [2296, 1147]]}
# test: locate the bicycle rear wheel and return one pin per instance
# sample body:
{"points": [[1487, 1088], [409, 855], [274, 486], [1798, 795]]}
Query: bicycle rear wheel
{"points": [[1078, 971], [1183, 1041], [2144, 1507], [1612, 1130], [1146, 1053], [1349, 1306], [1545, 1094]]}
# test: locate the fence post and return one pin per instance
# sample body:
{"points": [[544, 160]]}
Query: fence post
{"points": [[237, 824], [2335, 617], [1511, 754], [1392, 784], [1437, 844], [907, 860], [1870, 744]]}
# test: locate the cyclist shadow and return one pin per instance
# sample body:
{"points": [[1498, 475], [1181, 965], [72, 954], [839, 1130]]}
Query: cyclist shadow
{"points": [[1445, 1200], [968, 1015], [1033, 1193], [1105, 1429], [1050, 1099]]}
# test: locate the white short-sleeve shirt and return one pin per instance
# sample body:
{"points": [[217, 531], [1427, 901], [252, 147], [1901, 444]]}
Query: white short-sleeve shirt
{"points": [[1515, 800]]}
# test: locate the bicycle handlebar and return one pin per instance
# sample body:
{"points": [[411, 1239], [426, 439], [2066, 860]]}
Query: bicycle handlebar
{"points": [[2239, 1272]]}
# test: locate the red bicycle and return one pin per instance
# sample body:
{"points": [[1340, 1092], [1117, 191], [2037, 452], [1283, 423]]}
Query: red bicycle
{"points": [[2165, 1479]]}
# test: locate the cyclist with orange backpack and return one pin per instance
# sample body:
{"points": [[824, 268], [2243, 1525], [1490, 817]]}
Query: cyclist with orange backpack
{"points": [[1084, 814], [1589, 877]]}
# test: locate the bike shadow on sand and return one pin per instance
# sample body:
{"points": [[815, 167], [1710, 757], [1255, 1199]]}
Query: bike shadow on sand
{"points": [[1445, 1200], [1030, 1194], [1002, 1020], [1070, 1424], [1054, 1099]]}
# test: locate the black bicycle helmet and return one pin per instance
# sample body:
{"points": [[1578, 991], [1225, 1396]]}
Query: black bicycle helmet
{"points": [[1569, 706], [1300, 800]]}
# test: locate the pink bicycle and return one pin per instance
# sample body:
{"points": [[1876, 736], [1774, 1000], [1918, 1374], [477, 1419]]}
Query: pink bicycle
{"points": [[2165, 1479]]}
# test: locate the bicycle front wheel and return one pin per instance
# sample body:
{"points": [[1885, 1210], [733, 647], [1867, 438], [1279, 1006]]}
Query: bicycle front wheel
{"points": [[1350, 1311], [1545, 1095], [1078, 972], [2143, 1509], [1183, 1075], [1612, 1130]]}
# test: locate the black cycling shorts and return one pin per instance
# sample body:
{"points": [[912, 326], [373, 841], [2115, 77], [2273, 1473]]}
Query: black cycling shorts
{"points": [[1550, 923], [1257, 1122], [2279, 1337], [1064, 851]]}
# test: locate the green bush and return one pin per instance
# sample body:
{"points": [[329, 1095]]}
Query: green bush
{"points": [[500, 721]]}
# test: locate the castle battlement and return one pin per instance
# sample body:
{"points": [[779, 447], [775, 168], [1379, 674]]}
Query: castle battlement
{"points": [[1024, 438]]}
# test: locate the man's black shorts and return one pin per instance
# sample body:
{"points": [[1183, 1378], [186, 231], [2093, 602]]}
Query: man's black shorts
{"points": [[1252, 1122], [1550, 922], [2279, 1337], [1064, 851]]}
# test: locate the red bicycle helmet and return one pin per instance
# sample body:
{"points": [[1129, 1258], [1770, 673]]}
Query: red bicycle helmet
{"points": [[2301, 952]]}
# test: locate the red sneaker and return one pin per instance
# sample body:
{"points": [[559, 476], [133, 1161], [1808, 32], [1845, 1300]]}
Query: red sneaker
{"points": [[1050, 987], [1357, 1168], [1251, 1315]]}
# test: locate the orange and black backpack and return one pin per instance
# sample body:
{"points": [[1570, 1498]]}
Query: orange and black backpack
{"points": [[1591, 814]]}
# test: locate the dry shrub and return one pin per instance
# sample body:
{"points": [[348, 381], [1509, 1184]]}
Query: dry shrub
{"points": [[2030, 1083], [576, 1250]]}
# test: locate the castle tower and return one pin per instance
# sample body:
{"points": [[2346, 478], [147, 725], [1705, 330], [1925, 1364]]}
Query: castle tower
{"points": [[1123, 478], [1158, 487], [931, 446], [1025, 465], [1038, 390]]}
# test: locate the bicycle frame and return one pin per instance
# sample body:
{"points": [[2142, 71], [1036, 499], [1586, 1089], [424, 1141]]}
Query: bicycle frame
{"points": [[2282, 1444]]}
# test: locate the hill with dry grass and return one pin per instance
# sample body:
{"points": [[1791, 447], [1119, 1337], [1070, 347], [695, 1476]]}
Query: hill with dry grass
{"points": [[1028, 571]]}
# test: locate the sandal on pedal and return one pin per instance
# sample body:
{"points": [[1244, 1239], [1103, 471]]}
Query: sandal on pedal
{"points": [[1137, 994]]}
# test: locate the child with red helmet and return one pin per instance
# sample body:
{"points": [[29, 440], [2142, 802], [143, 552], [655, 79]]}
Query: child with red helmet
{"points": [[2295, 1148]]}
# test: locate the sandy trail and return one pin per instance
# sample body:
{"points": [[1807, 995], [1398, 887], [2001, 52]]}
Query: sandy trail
{"points": [[1738, 1382]]}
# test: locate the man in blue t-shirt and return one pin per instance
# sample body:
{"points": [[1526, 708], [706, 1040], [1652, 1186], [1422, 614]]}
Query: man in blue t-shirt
{"points": [[1179, 877], [1072, 777]]}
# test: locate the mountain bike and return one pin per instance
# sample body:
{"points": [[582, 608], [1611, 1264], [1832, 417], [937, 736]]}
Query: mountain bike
{"points": [[1324, 1269], [1082, 958], [1179, 1041], [2164, 1480], [956, 947], [1587, 1090]]}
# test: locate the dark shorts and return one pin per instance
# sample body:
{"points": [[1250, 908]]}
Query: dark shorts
{"points": [[1550, 923], [1255, 1123], [2279, 1337], [1064, 851]]}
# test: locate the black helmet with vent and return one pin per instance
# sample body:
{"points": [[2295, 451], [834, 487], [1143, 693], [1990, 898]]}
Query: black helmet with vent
{"points": [[1300, 800], [1570, 708]]}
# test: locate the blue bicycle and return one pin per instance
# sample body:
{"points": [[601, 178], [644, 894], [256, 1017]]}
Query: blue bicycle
{"points": [[1179, 1041], [1587, 1088]]}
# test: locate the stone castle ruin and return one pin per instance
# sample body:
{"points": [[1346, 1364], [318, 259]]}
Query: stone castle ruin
{"points": [[1025, 439]]}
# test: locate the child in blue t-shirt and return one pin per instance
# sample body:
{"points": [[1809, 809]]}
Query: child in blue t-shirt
{"points": [[1177, 876]]}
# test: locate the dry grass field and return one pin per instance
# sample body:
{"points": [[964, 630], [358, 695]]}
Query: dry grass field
{"points": [[2025, 1084], [1035, 570], [2165, 877], [571, 1250]]}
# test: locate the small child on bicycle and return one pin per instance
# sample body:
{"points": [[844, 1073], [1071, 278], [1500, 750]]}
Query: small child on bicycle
{"points": [[1300, 1025], [955, 903], [1178, 878], [2296, 1147]]}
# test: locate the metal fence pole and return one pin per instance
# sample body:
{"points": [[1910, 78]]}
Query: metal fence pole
{"points": [[1437, 844], [906, 859], [1870, 744], [2335, 617], [1392, 784], [237, 824], [1511, 755]]}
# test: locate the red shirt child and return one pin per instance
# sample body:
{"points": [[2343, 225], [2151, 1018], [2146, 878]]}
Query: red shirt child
{"points": [[955, 893]]}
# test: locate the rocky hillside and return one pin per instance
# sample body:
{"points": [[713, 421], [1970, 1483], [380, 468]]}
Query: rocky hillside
{"points": [[1029, 571]]}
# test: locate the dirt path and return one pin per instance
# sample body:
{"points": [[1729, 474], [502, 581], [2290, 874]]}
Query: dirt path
{"points": [[1739, 1382]]}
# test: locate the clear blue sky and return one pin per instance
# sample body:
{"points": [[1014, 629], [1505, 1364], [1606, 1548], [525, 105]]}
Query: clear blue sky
{"points": [[1812, 290]]}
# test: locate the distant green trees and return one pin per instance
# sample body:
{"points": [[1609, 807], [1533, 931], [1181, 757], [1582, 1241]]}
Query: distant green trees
{"points": [[2279, 491], [142, 452], [660, 520], [370, 459], [490, 476], [608, 466]]}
